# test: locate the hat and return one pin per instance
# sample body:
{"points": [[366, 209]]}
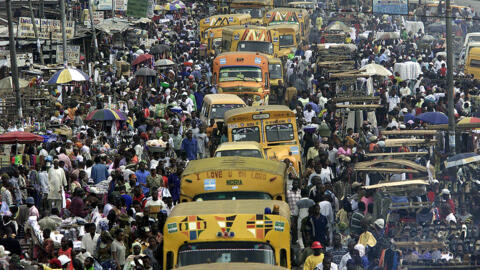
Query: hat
{"points": [[64, 259], [373, 138], [380, 223], [405, 110], [87, 255], [347, 159], [30, 201], [136, 244], [356, 184], [316, 245], [445, 192]]}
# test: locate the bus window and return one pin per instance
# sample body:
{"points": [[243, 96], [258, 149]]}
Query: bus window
{"points": [[235, 73], [246, 134], [286, 40], [255, 46], [239, 152], [218, 110], [225, 252], [475, 63], [170, 260], [275, 71], [279, 132], [239, 195]]}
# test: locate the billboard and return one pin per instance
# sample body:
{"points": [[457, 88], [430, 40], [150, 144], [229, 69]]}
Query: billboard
{"points": [[45, 28], [98, 17], [137, 8], [393, 7], [103, 4], [73, 54]]}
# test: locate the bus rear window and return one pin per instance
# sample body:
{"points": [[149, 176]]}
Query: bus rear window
{"points": [[279, 132], [246, 134], [475, 63], [225, 252], [237, 195]]}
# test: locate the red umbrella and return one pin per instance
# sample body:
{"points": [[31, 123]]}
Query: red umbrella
{"points": [[20, 137], [141, 58]]}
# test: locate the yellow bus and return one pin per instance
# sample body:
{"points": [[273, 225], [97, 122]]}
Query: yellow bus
{"points": [[242, 149], [214, 106], [235, 232], [472, 63], [214, 41], [233, 178], [289, 38], [276, 71], [244, 74], [256, 8], [232, 266], [297, 16], [250, 38], [273, 126], [222, 20]]}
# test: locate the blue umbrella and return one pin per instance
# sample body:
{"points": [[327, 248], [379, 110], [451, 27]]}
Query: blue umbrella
{"points": [[407, 117], [434, 118]]}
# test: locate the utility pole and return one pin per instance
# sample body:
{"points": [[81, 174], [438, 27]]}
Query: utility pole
{"points": [[13, 59], [64, 34], [35, 31], [90, 13], [450, 91]]}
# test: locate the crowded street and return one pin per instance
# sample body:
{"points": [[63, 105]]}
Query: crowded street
{"points": [[239, 134]]}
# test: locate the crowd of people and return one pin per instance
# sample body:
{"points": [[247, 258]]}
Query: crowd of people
{"points": [[100, 199]]}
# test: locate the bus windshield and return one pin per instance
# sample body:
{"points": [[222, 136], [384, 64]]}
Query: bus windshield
{"points": [[240, 73], [238, 195], [286, 40], [256, 13], [239, 152], [275, 71], [246, 134], [225, 252], [279, 132], [255, 46], [218, 110]]}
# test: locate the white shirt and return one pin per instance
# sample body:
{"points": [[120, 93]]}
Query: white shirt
{"points": [[308, 115], [89, 243], [43, 179], [392, 102], [343, 262], [326, 210], [333, 266]]}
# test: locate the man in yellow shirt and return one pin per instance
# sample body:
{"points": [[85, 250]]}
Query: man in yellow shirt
{"points": [[314, 259]]}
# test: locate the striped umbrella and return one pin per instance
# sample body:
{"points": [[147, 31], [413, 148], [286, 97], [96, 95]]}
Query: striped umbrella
{"points": [[106, 115], [175, 5], [67, 75], [469, 122]]}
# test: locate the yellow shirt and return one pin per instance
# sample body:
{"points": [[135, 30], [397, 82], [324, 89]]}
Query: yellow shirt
{"points": [[367, 239], [312, 261]]}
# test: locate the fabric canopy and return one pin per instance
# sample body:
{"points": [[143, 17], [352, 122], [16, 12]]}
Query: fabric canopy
{"points": [[20, 137]]}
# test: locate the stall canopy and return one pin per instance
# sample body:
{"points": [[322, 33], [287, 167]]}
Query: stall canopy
{"points": [[20, 137], [7, 83]]}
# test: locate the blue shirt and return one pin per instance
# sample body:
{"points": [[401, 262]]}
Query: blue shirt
{"points": [[190, 146], [128, 200], [99, 173], [142, 178]]}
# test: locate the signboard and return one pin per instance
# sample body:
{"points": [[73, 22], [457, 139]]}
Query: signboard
{"points": [[45, 28], [98, 17], [120, 5], [73, 54], [103, 4], [137, 8], [22, 58], [394, 7]]}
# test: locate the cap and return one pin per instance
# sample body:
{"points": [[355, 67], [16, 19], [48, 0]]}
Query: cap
{"points": [[64, 259], [30, 200], [356, 184], [445, 192], [380, 223], [316, 245], [373, 138]]}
